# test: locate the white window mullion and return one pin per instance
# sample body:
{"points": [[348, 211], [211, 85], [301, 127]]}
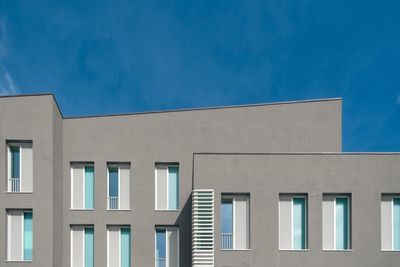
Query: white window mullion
{"points": [[108, 187], [167, 233], [291, 223], [9, 231], [233, 223], [83, 246], [119, 188], [21, 180], [334, 222], [22, 235], [156, 187], [120, 247], [392, 223], [84, 188], [167, 189]]}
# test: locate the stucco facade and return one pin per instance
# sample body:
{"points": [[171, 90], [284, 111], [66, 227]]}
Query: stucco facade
{"points": [[260, 150]]}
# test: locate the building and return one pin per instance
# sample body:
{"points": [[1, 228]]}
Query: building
{"points": [[260, 185]]}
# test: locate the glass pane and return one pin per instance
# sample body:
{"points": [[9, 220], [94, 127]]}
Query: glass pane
{"points": [[396, 223], [89, 243], [28, 236], [161, 245], [89, 184], [173, 187], [113, 182], [15, 161], [125, 247], [342, 223], [299, 223], [227, 216]]}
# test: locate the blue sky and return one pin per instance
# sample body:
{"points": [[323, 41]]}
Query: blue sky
{"points": [[101, 57]]}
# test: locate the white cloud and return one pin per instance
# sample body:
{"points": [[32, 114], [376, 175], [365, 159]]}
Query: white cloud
{"points": [[7, 84]]}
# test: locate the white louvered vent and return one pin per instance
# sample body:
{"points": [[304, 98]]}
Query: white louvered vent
{"points": [[203, 228]]}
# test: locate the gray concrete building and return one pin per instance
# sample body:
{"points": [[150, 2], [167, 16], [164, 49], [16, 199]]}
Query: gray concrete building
{"points": [[256, 185]]}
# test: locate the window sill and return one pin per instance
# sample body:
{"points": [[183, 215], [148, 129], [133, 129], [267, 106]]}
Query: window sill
{"points": [[390, 250], [294, 250], [17, 193], [244, 249], [118, 210], [178, 210], [337, 250], [16, 261], [81, 209]]}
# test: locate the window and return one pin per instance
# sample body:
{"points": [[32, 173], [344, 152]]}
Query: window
{"points": [[82, 246], [292, 222], [20, 167], [390, 222], [118, 246], [167, 186], [235, 233], [82, 186], [19, 235], [118, 186], [336, 222], [167, 247]]}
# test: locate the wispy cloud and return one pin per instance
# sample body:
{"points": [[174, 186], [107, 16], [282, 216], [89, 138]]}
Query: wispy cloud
{"points": [[7, 84]]}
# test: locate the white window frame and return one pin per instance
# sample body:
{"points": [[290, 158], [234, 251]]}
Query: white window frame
{"points": [[9, 225], [392, 222], [348, 222], [166, 228], [83, 242], [167, 193], [119, 185], [119, 242], [232, 197], [9, 145], [84, 165], [292, 196]]}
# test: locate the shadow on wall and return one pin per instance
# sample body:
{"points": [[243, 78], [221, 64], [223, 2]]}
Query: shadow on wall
{"points": [[184, 221]]}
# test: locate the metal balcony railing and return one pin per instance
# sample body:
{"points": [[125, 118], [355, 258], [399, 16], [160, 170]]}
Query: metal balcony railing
{"points": [[113, 203], [15, 184], [226, 241], [160, 262]]}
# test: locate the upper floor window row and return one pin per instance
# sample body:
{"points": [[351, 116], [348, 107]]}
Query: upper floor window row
{"points": [[19, 166], [118, 186]]}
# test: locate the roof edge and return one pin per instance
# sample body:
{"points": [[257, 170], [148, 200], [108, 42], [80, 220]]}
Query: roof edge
{"points": [[174, 110], [207, 108], [37, 94], [291, 153]]}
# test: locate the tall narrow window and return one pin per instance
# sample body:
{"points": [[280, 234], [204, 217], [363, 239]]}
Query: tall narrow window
{"points": [[235, 222], [167, 247], [82, 246], [20, 167], [292, 222], [336, 222], [82, 186], [167, 187], [19, 235], [118, 246], [118, 186], [390, 222]]}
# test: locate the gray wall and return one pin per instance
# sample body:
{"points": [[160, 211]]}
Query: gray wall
{"points": [[366, 177], [145, 139], [142, 140], [30, 118]]}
